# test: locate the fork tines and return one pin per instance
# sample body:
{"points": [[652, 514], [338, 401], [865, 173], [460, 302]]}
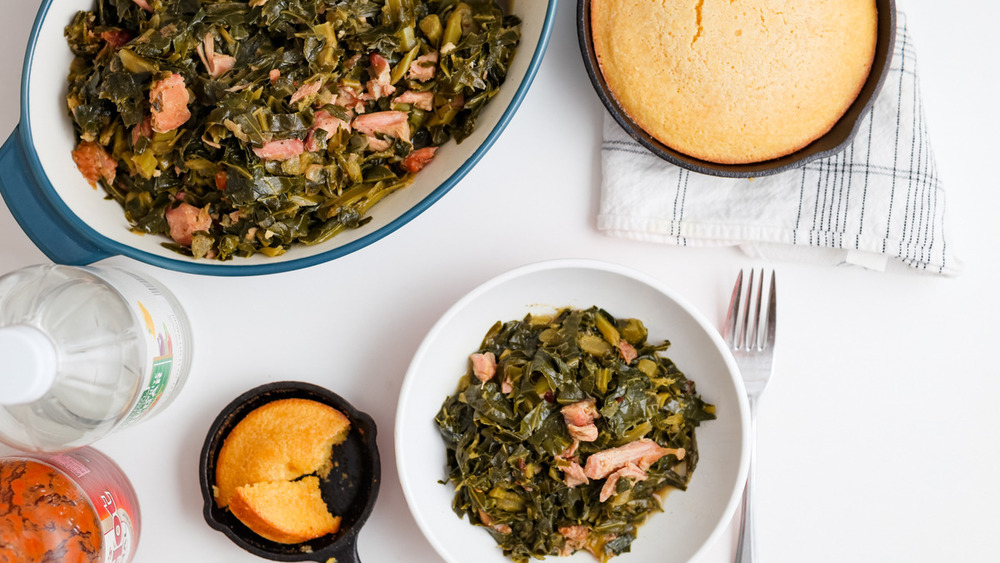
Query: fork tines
{"points": [[750, 325]]}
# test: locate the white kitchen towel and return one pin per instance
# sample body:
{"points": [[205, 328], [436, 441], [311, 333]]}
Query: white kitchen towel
{"points": [[878, 204]]}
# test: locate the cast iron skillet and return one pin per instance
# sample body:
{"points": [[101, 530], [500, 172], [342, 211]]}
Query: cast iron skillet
{"points": [[829, 144], [352, 498]]}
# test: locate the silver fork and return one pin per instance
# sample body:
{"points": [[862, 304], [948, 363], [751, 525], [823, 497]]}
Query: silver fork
{"points": [[749, 331]]}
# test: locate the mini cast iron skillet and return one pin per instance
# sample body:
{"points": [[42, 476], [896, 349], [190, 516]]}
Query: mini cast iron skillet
{"points": [[834, 141], [351, 497]]}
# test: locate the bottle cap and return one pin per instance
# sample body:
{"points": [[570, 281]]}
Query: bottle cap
{"points": [[28, 364]]}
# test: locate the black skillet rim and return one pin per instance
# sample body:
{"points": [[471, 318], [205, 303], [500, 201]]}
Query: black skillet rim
{"points": [[831, 143]]}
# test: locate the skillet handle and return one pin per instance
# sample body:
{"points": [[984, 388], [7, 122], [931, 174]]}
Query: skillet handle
{"points": [[344, 550], [39, 219]]}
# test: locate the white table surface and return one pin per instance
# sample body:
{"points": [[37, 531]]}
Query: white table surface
{"points": [[879, 437]]}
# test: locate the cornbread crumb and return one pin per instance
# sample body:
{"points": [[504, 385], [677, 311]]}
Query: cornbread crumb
{"points": [[735, 81]]}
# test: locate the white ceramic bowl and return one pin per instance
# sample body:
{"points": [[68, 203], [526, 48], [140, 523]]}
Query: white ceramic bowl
{"points": [[692, 520], [73, 224]]}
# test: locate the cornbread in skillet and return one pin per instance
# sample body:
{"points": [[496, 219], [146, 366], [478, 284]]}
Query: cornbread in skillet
{"points": [[734, 81], [284, 511], [279, 441]]}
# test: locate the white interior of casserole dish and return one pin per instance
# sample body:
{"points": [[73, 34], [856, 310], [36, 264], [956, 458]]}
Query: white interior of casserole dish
{"points": [[52, 133]]}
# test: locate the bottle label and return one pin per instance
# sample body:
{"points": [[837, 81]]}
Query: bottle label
{"points": [[111, 495], [164, 336]]}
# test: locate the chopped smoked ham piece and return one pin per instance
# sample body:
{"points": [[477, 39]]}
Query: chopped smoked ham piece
{"points": [[423, 67], [391, 123], [419, 100], [506, 386], [142, 129], [217, 64], [184, 220], [579, 418], [116, 38], [416, 160], [376, 144], [581, 412], [484, 366], [585, 433], [642, 453], [630, 471], [576, 538], [169, 99], [305, 91], [280, 150], [323, 120], [627, 351], [380, 85], [94, 162], [574, 475]]}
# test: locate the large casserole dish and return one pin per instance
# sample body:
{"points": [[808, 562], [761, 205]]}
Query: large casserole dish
{"points": [[73, 224]]}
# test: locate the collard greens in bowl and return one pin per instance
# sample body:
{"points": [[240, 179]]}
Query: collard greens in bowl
{"points": [[691, 519]]}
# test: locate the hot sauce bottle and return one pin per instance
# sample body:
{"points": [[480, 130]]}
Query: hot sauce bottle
{"points": [[74, 507]]}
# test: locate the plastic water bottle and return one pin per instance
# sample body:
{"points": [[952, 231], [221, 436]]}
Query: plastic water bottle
{"points": [[85, 352]]}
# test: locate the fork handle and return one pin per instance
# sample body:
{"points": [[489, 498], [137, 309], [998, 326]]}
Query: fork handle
{"points": [[746, 548]]}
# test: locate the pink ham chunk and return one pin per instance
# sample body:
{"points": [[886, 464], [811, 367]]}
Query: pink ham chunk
{"points": [[94, 162], [575, 538], [484, 366], [419, 100], [416, 160], [630, 471], [642, 453], [378, 145], [585, 433], [506, 386], [143, 4], [323, 120], [280, 150], [185, 220], [305, 91], [391, 123], [217, 64], [348, 97], [142, 129], [116, 38], [423, 68], [169, 99], [627, 351], [380, 85], [579, 418], [581, 412], [573, 475]]}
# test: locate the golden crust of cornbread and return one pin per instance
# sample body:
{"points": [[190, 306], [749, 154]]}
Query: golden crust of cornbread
{"points": [[735, 81], [279, 441], [284, 511]]}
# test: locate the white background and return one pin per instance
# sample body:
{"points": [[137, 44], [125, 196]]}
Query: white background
{"points": [[879, 438]]}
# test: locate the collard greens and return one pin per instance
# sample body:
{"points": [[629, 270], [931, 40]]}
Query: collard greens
{"points": [[510, 447], [238, 127]]}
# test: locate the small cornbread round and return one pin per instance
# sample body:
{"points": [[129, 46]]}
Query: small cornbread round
{"points": [[734, 81], [284, 511], [279, 441]]}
